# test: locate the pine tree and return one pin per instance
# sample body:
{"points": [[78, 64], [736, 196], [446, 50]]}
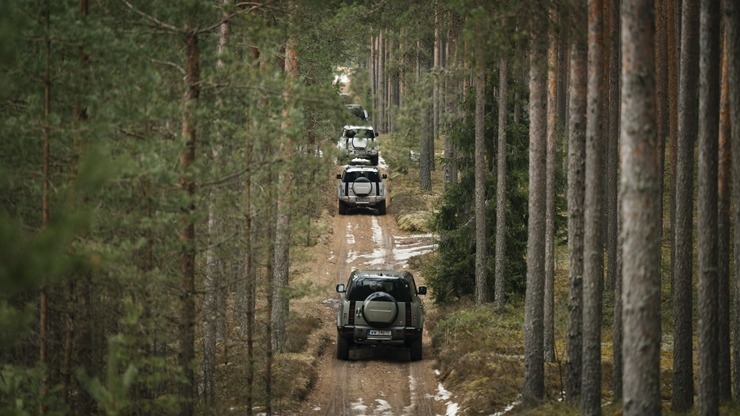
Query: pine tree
{"points": [[683, 371], [641, 181]]}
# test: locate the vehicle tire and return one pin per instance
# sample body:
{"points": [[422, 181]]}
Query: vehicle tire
{"points": [[374, 160], [415, 350], [342, 348], [342, 208], [380, 310], [381, 208]]}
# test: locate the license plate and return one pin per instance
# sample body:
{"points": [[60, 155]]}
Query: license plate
{"points": [[379, 333], [362, 199]]}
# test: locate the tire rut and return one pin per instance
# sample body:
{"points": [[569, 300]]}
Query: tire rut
{"points": [[374, 381]]}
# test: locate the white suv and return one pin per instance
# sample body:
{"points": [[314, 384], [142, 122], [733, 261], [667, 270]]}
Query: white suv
{"points": [[361, 186], [380, 307], [359, 142]]}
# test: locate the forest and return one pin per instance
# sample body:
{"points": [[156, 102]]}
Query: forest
{"points": [[156, 155]]}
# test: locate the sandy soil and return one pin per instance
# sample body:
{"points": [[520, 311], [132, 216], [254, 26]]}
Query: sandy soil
{"points": [[374, 381]]}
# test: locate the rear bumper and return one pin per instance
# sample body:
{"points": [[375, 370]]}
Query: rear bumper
{"points": [[362, 153], [362, 201], [398, 335]]}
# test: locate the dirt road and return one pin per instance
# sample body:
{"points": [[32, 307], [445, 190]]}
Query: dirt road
{"points": [[373, 381]]}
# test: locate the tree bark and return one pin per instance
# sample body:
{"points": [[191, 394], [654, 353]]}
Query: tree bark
{"points": [[380, 92], [250, 277], [612, 198], [593, 273], [671, 12], [281, 261], [534, 367], [500, 260], [452, 86], [641, 181], [576, 195], [214, 265], [724, 226], [707, 292], [550, 183], [426, 138], [436, 72], [683, 371], [732, 28], [187, 233], [481, 251]]}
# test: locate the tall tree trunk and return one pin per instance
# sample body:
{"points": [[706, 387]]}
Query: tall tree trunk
{"points": [[452, 86], [683, 369], [707, 292], [534, 366], [380, 92], [612, 200], [576, 195], [724, 226], [661, 78], [436, 72], [250, 276], [593, 267], [550, 183], [269, 300], [281, 266], [214, 265], [187, 233], [563, 87], [732, 28], [392, 87], [388, 87], [248, 284], [481, 251], [641, 181], [426, 143], [671, 12], [500, 261], [373, 72]]}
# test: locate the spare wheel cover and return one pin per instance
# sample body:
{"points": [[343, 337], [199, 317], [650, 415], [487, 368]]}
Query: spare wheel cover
{"points": [[359, 143], [380, 309], [362, 186]]}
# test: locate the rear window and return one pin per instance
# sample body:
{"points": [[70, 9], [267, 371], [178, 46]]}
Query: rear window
{"points": [[362, 133], [369, 174], [360, 289]]}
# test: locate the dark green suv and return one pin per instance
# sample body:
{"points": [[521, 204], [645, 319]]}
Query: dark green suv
{"points": [[380, 307]]}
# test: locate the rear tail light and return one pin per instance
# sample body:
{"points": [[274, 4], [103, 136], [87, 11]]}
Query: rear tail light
{"points": [[408, 314], [351, 320]]}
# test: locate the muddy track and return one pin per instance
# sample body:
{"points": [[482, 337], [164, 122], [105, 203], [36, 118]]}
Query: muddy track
{"points": [[376, 381]]}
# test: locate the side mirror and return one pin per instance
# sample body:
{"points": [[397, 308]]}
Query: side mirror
{"points": [[385, 176], [340, 288], [377, 134], [422, 290], [339, 176]]}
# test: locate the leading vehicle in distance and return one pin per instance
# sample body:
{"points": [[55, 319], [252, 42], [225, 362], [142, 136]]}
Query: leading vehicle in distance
{"points": [[380, 307], [359, 142]]}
